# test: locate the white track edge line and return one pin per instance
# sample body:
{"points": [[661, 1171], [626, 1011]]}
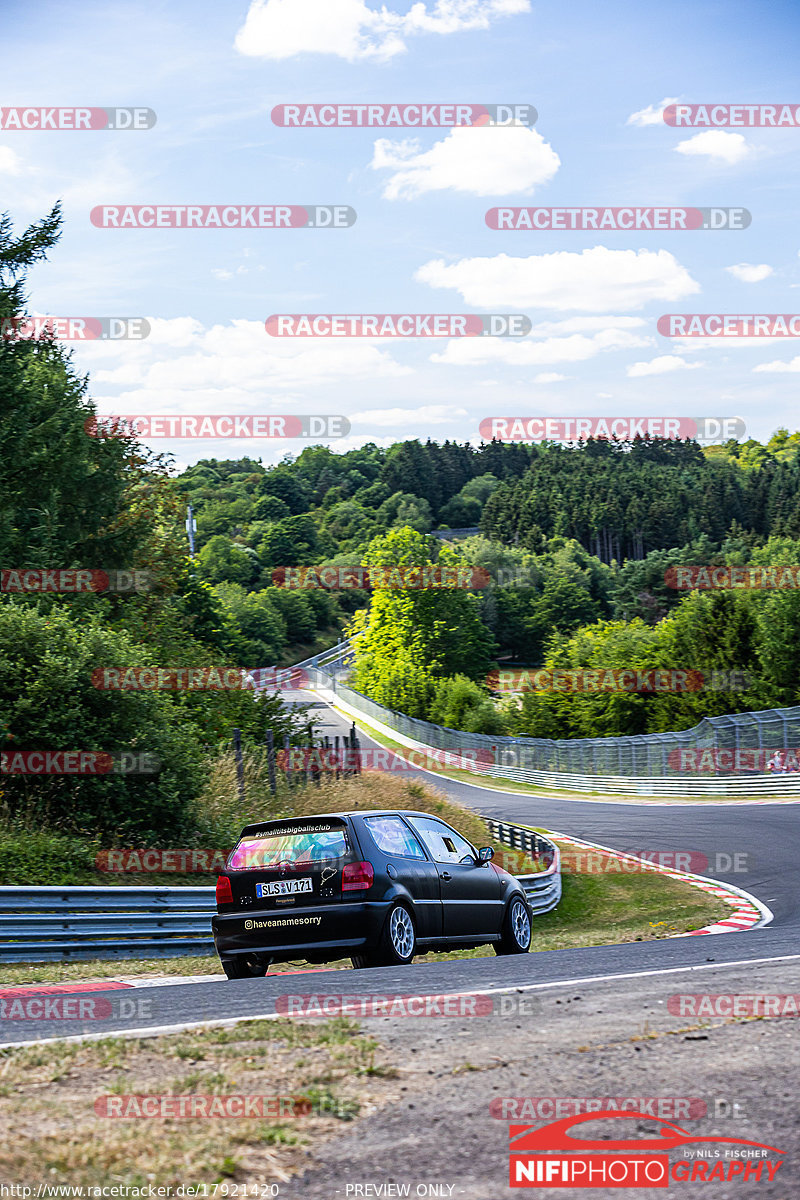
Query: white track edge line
{"points": [[159, 1030]]}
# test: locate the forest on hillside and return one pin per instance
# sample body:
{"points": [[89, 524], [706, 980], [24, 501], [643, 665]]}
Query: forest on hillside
{"points": [[576, 544]]}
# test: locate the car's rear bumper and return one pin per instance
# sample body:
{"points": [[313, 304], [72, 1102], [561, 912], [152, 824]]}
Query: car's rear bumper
{"points": [[339, 928]]}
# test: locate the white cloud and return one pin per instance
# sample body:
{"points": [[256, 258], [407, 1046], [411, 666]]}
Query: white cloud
{"points": [[126, 374], [549, 377], [132, 357], [750, 272], [588, 324], [485, 162], [660, 366], [431, 414], [349, 29], [184, 367], [108, 175], [528, 352], [717, 145], [792, 367], [694, 345], [10, 161], [595, 280], [178, 332], [354, 442], [223, 274], [653, 114]]}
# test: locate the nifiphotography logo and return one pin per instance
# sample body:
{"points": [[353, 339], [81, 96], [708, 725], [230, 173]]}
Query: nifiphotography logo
{"points": [[551, 1156]]}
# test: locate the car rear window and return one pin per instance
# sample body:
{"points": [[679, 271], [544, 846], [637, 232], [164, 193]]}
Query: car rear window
{"points": [[296, 847]]}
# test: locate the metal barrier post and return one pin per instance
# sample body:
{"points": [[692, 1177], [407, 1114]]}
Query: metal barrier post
{"points": [[237, 750]]}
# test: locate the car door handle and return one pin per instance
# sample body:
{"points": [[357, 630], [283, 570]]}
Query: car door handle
{"points": [[446, 875]]}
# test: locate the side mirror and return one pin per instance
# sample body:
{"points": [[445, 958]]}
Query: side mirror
{"points": [[485, 854]]}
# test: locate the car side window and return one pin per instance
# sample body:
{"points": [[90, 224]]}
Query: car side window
{"points": [[445, 845], [392, 836]]}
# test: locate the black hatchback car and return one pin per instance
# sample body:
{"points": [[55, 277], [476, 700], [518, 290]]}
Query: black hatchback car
{"points": [[377, 887]]}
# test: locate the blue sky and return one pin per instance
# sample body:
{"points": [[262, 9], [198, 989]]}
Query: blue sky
{"points": [[213, 74]]}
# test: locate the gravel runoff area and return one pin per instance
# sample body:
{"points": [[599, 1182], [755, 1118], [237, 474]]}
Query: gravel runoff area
{"points": [[614, 1039]]}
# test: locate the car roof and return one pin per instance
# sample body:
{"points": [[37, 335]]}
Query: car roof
{"points": [[278, 822]]}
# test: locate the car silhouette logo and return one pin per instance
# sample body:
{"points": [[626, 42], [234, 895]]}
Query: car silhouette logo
{"points": [[556, 1136]]}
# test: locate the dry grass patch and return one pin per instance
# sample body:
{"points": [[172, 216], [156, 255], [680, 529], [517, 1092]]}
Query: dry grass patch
{"points": [[52, 1133]]}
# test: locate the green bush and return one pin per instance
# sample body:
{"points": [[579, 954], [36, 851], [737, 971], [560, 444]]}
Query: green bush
{"points": [[49, 703], [458, 703], [32, 857]]}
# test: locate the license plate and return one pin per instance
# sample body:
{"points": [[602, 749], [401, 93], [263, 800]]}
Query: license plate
{"points": [[283, 887]]}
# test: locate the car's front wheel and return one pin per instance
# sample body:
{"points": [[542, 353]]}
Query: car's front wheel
{"points": [[516, 932], [244, 968], [398, 942]]}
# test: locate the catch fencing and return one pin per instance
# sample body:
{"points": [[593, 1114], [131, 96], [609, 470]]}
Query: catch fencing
{"points": [[726, 755]]}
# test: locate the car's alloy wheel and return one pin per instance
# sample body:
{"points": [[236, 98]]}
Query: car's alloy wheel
{"points": [[516, 933], [521, 924], [401, 933], [397, 945]]}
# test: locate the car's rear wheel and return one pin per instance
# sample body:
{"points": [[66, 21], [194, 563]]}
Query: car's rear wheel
{"points": [[515, 935], [245, 968], [398, 942]]}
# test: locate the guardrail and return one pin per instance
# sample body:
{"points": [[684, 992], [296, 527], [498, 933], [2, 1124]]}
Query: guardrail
{"points": [[543, 890], [57, 924], [49, 924]]}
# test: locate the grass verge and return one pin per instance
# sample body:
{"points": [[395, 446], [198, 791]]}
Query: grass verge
{"points": [[53, 1134]]}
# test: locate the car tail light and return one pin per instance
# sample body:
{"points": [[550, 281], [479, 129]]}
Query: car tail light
{"points": [[358, 876], [224, 890]]}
